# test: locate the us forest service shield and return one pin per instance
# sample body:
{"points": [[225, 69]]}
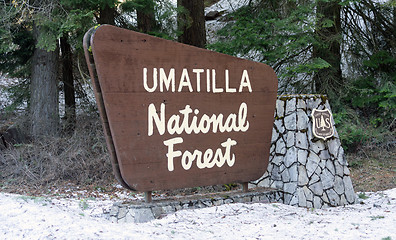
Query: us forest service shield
{"points": [[322, 125]]}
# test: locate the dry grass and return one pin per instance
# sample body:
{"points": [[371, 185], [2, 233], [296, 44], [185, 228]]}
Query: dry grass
{"points": [[80, 159], [373, 170]]}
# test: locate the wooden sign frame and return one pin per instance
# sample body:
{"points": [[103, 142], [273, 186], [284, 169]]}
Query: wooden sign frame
{"points": [[178, 116]]}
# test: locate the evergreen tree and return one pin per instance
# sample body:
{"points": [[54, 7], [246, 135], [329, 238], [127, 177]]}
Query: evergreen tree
{"points": [[191, 22], [328, 46]]}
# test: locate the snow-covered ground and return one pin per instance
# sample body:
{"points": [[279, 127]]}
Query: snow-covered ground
{"points": [[24, 217]]}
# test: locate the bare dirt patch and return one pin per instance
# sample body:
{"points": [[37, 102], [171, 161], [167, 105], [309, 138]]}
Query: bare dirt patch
{"points": [[373, 170]]}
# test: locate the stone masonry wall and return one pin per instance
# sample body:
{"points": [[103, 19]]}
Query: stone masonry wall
{"points": [[311, 172]]}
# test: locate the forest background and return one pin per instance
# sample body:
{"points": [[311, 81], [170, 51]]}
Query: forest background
{"points": [[49, 124]]}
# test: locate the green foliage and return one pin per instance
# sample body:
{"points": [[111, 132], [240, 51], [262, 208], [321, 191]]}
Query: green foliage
{"points": [[362, 196], [16, 49], [164, 14], [376, 217], [353, 136], [278, 35], [19, 95], [374, 95], [387, 238]]}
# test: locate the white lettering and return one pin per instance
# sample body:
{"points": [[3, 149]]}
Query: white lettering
{"points": [[215, 90], [227, 82], [185, 81], [177, 124], [159, 121], [145, 85], [168, 81], [198, 72], [172, 154], [205, 160], [245, 82]]}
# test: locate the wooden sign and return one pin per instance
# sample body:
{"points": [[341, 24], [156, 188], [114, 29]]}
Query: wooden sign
{"points": [[178, 116], [322, 126]]}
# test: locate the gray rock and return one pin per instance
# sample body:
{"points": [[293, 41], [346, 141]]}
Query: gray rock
{"points": [[333, 197], [129, 218], [270, 167], [290, 187], [272, 150], [322, 164], [287, 198], [282, 168], [314, 179], [302, 156], [114, 211], [122, 212], [317, 202], [302, 120], [317, 146], [291, 157], [157, 211], [301, 140], [346, 171], [327, 179], [343, 200], [302, 176], [285, 176], [339, 169], [309, 133], [333, 146], [312, 163], [330, 167], [308, 193], [277, 160], [317, 188], [290, 139], [349, 192], [275, 136], [294, 201], [313, 103], [293, 172], [341, 157], [280, 146], [290, 122], [335, 131], [301, 104], [143, 215], [290, 106], [302, 200], [218, 202], [309, 204], [324, 154], [264, 183], [279, 125], [325, 198], [339, 185], [280, 108], [277, 185], [228, 201]]}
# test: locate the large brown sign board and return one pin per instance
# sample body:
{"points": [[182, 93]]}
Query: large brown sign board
{"points": [[178, 116]]}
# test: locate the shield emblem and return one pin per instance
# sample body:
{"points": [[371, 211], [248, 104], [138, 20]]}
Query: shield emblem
{"points": [[322, 125]]}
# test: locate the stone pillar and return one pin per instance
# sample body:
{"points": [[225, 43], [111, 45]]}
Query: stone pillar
{"points": [[311, 172]]}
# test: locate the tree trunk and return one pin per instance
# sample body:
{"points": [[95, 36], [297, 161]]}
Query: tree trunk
{"points": [[68, 85], [145, 17], [44, 92], [191, 22], [328, 49], [107, 15]]}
